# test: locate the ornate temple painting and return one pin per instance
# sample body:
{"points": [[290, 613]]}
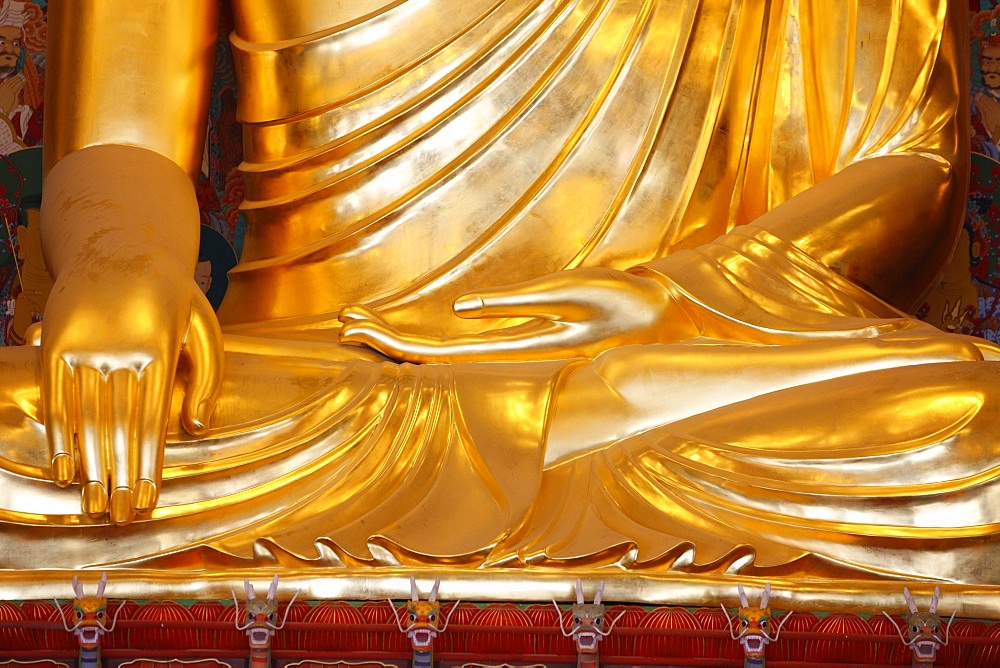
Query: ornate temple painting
{"points": [[220, 187], [20, 198], [969, 299], [22, 75], [22, 68], [335, 634]]}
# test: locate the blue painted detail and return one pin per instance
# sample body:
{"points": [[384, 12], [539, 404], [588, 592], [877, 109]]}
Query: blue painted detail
{"points": [[422, 659]]}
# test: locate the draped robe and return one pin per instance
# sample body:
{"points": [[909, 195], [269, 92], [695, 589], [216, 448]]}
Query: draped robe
{"points": [[423, 150]]}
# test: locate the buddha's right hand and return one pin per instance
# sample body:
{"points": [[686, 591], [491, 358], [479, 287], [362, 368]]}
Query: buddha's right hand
{"points": [[123, 309]]}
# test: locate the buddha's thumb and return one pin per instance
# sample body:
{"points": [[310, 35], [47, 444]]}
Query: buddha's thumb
{"points": [[469, 306], [203, 347]]}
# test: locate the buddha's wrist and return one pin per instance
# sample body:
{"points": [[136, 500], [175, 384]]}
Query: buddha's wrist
{"points": [[658, 271], [119, 202], [684, 324]]}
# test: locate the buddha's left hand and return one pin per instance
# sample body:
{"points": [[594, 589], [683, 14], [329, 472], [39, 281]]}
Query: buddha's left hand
{"points": [[574, 313]]}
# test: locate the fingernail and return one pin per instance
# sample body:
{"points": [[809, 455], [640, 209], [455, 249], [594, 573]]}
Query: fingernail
{"points": [[196, 423], [95, 498], [470, 305], [121, 505], [146, 495], [203, 415], [63, 469]]}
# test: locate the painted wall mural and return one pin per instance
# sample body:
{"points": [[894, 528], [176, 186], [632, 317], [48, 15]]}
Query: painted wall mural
{"points": [[967, 299], [981, 241], [24, 284]]}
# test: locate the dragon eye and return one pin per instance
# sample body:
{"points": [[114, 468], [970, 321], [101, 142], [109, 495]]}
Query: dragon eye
{"points": [[79, 614], [576, 620], [432, 616], [763, 623], [915, 628], [598, 621], [744, 623], [413, 617], [99, 614]]}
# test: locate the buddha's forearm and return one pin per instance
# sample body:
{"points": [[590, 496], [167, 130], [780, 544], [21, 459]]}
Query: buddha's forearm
{"points": [[134, 73]]}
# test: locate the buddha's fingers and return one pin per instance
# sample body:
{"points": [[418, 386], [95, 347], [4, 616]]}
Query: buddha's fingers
{"points": [[359, 313], [58, 411], [203, 347], [512, 304], [92, 412], [153, 404], [560, 296], [574, 295], [123, 389], [535, 340]]}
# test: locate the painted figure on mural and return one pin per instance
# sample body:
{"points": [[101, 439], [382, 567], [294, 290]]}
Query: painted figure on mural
{"points": [[698, 280], [22, 58], [984, 188], [29, 282], [986, 91], [220, 186], [20, 83], [203, 275]]}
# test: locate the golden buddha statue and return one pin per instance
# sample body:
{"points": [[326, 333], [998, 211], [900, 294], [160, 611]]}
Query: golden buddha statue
{"points": [[711, 217]]}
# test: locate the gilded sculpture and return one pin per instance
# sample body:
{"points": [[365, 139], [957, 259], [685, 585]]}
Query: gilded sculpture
{"points": [[711, 221]]}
